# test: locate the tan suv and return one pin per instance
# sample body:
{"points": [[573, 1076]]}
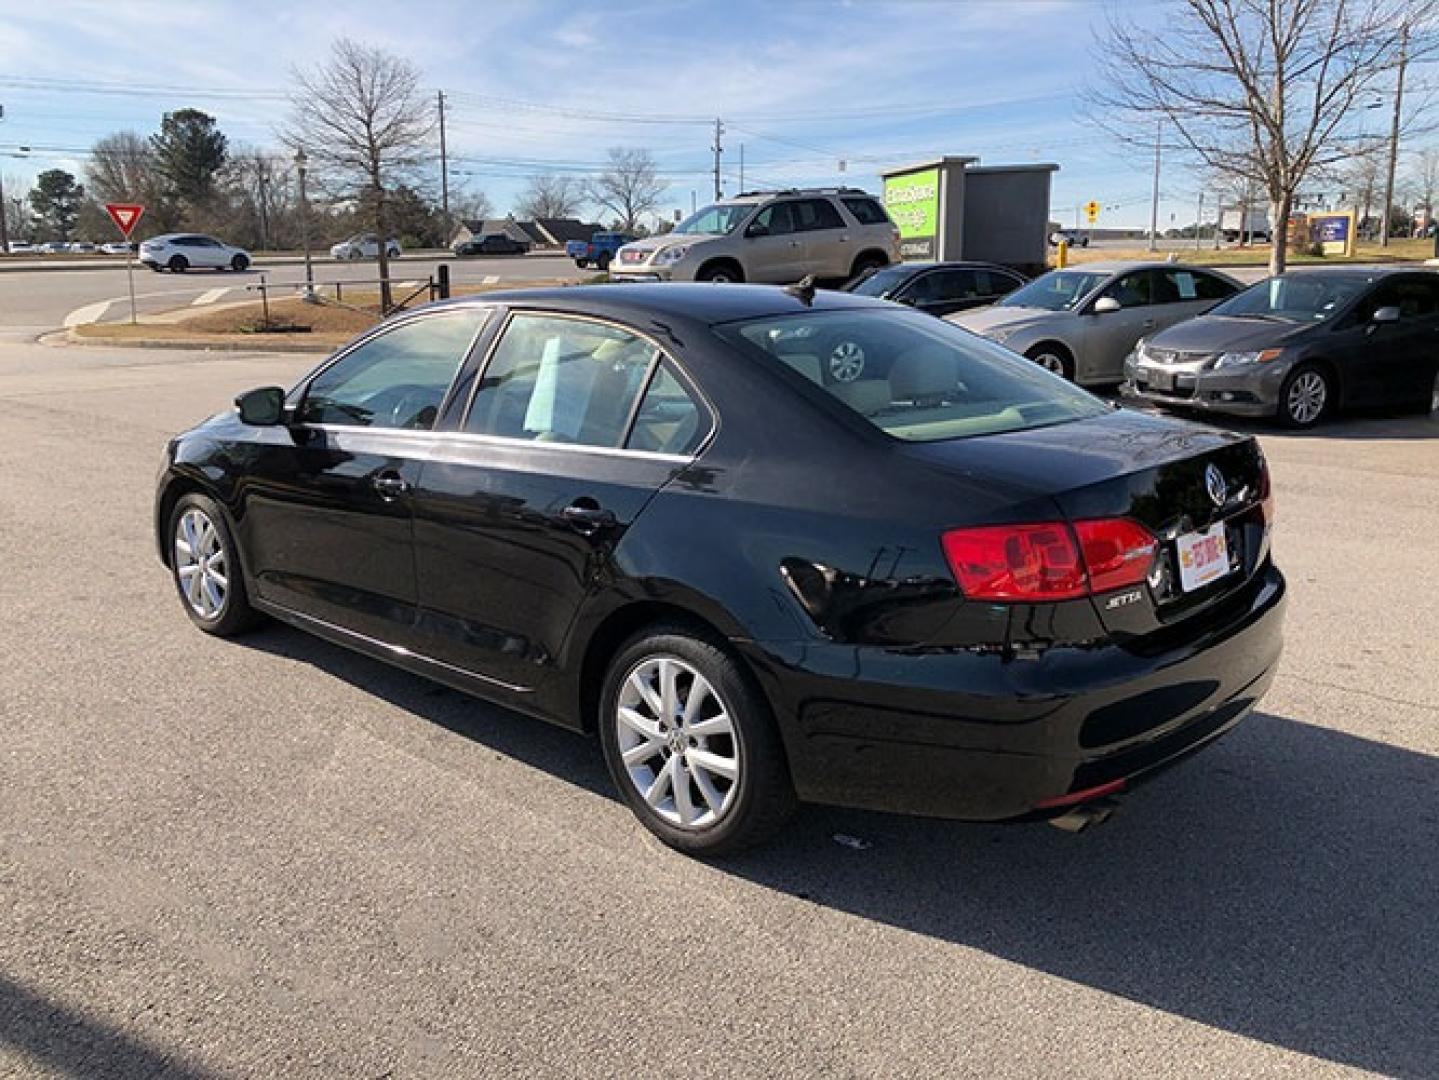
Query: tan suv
{"points": [[776, 236]]}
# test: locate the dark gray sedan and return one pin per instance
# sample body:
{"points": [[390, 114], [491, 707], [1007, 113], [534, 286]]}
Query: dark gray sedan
{"points": [[1301, 346]]}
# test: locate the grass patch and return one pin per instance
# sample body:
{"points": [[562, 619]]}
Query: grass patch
{"points": [[1399, 250]]}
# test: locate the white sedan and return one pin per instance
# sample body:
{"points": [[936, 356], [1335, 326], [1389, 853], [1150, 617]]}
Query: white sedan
{"points": [[178, 252], [364, 246]]}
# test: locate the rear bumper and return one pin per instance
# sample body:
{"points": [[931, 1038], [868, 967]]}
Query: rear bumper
{"points": [[986, 737]]}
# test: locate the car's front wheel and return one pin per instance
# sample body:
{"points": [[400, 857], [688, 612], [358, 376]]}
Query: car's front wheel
{"points": [[205, 565], [355, 255], [692, 745], [720, 274], [1305, 397], [239, 263], [1053, 358]]}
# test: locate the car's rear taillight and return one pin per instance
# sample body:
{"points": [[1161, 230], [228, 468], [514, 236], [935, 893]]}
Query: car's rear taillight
{"points": [[1266, 495], [1051, 560]]}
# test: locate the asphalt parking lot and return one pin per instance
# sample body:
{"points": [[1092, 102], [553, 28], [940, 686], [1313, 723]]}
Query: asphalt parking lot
{"points": [[270, 857]]}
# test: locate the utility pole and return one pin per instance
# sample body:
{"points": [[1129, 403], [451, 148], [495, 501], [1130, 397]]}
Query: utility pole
{"points": [[444, 167], [260, 167], [4, 228], [741, 167], [300, 162], [1199, 220], [718, 148], [1394, 135], [1154, 199]]}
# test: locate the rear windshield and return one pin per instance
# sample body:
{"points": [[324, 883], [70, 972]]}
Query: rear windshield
{"points": [[1058, 290], [913, 376]]}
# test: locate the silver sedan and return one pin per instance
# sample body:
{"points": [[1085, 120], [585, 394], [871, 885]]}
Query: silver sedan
{"points": [[1082, 322]]}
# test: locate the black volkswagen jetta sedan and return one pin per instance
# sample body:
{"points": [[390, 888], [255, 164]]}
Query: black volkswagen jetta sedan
{"points": [[958, 586]]}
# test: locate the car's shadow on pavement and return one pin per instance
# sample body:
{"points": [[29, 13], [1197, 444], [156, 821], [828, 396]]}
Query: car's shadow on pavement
{"points": [[1283, 886]]}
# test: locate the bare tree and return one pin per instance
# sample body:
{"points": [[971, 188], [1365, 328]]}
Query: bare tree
{"points": [[365, 127], [260, 185], [629, 188], [470, 204], [122, 169], [1268, 88], [1424, 181], [18, 222], [1363, 180], [550, 196]]}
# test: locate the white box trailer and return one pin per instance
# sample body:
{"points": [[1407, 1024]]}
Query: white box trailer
{"points": [[1236, 223]]}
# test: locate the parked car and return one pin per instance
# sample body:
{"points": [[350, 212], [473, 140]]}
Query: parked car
{"points": [[117, 247], [178, 252], [50, 247], [1072, 237], [81, 247], [1082, 323], [959, 587], [599, 250], [939, 288], [776, 236], [491, 244], [1302, 346], [21, 247], [364, 246]]}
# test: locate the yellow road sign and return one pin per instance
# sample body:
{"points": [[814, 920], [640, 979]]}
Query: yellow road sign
{"points": [[1091, 211]]}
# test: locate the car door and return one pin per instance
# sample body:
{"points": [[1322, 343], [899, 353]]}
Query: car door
{"points": [[210, 253], [774, 251], [575, 424], [1179, 293], [326, 521], [1109, 336], [829, 248], [1390, 363]]}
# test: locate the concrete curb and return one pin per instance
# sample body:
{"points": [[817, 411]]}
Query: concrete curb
{"points": [[69, 337]]}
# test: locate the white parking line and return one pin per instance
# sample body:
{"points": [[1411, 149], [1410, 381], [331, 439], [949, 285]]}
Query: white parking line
{"points": [[208, 297], [87, 314]]}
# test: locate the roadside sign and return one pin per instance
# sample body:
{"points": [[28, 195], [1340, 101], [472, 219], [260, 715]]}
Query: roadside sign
{"points": [[1091, 211], [125, 216]]}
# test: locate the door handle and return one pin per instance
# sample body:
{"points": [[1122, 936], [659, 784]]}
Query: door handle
{"points": [[390, 485], [587, 517]]}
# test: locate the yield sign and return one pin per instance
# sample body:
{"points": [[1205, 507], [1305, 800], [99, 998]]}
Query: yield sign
{"points": [[125, 216]]}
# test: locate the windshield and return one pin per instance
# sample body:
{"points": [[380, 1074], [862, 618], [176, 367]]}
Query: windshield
{"points": [[1059, 290], [1294, 297], [882, 282], [716, 220], [913, 376]]}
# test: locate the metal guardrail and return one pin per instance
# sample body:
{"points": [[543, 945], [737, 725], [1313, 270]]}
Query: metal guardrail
{"points": [[436, 285]]}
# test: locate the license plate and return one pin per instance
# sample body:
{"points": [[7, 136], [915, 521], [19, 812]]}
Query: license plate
{"points": [[1159, 380], [1203, 557]]}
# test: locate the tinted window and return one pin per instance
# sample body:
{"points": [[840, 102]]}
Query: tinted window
{"points": [[1132, 290], [953, 285], [396, 380], [813, 214], [669, 420], [1210, 287], [866, 211], [996, 283], [1414, 297], [561, 380], [922, 379], [776, 218]]}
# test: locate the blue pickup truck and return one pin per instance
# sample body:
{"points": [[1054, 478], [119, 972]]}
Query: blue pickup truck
{"points": [[598, 250]]}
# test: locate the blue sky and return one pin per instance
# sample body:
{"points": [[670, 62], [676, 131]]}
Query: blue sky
{"points": [[539, 86]]}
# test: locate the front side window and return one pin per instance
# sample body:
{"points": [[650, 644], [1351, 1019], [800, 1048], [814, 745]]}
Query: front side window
{"points": [[923, 379], [1132, 290], [395, 380], [953, 285], [562, 380]]}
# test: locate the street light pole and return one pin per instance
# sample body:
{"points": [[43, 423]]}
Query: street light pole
{"points": [[300, 161], [4, 228]]}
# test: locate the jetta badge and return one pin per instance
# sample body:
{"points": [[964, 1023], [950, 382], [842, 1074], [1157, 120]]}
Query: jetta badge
{"points": [[1214, 481]]}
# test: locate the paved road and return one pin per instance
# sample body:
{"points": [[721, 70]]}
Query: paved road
{"points": [[35, 301], [274, 858]]}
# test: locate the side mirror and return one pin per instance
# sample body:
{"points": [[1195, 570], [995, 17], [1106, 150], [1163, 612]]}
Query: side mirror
{"points": [[1106, 304], [757, 230], [263, 407], [1388, 313]]}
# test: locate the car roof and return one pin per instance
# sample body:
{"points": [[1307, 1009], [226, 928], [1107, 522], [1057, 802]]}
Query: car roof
{"points": [[1114, 266], [1365, 272], [698, 301]]}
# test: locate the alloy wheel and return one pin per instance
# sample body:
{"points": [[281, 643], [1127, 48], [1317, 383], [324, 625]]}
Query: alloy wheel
{"points": [[846, 361], [1307, 397], [677, 741], [1050, 362], [200, 564]]}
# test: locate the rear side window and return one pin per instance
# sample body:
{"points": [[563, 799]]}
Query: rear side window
{"points": [[920, 379], [562, 380], [866, 211], [995, 283], [811, 215], [669, 420]]}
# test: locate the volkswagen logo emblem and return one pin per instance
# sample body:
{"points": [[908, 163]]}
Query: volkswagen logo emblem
{"points": [[1218, 488]]}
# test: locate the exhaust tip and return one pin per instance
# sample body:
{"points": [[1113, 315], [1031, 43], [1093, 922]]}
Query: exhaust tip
{"points": [[1086, 815]]}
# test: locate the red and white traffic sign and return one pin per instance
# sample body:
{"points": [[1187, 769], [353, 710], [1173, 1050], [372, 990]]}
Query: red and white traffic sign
{"points": [[125, 216]]}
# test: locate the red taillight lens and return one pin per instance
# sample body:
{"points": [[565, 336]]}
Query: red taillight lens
{"points": [[1050, 560], [1030, 563], [1117, 552], [1266, 496]]}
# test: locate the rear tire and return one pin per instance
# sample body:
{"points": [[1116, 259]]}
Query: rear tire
{"points": [[865, 263], [178, 264], [355, 255], [1054, 358], [603, 262], [205, 566], [719, 742], [1306, 397], [392, 253]]}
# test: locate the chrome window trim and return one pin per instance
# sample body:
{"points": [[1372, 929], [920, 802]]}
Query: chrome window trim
{"points": [[430, 438]]}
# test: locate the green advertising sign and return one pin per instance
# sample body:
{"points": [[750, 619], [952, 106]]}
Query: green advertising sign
{"points": [[913, 204]]}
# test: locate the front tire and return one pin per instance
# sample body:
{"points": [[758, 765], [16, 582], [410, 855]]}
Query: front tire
{"points": [[692, 745], [239, 264], [1305, 397], [205, 566], [1053, 358], [720, 274]]}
